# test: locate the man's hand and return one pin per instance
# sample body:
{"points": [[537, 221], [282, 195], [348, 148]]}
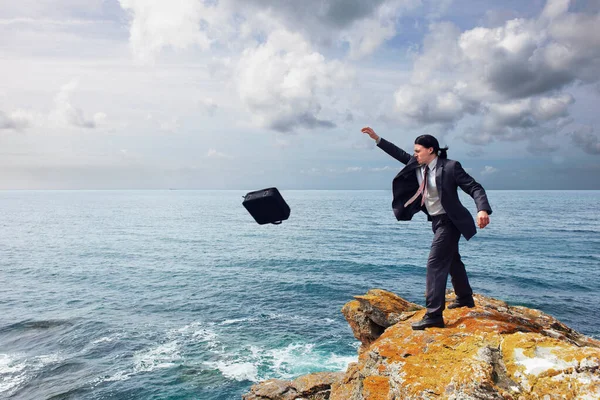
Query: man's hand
{"points": [[483, 219], [370, 132]]}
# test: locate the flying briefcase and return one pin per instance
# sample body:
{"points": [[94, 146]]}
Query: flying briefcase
{"points": [[266, 206]]}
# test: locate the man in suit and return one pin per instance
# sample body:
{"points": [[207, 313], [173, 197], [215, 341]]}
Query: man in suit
{"points": [[429, 183]]}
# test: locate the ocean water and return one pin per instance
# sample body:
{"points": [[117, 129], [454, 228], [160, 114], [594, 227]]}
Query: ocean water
{"points": [[181, 295]]}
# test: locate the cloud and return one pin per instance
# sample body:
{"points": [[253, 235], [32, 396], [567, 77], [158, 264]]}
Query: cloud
{"points": [[529, 112], [477, 137], [157, 24], [282, 81], [586, 140], [511, 78], [362, 25], [354, 169], [383, 169], [488, 170], [17, 120], [475, 153], [66, 113], [38, 22], [367, 34], [311, 171], [541, 147], [170, 126], [209, 106], [213, 153]]}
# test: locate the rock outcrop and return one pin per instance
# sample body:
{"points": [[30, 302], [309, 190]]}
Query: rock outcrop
{"points": [[491, 351], [315, 386]]}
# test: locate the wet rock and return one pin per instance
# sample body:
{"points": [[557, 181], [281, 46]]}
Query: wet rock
{"points": [[315, 386]]}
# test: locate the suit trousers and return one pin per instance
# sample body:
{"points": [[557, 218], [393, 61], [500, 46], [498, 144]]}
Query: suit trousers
{"points": [[444, 259]]}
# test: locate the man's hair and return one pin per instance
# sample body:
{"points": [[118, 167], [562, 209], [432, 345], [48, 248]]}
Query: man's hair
{"points": [[429, 141]]}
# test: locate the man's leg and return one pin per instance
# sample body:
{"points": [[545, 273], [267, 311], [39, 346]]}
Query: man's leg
{"points": [[460, 281], [443, 252]]}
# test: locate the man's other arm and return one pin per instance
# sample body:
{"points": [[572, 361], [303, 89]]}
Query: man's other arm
{"points": [[476, 191]]}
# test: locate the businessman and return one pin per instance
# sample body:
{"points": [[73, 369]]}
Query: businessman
{"points": [[429, 183]]}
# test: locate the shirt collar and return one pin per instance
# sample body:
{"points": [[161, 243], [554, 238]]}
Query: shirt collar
{"points": [[432, 164]]}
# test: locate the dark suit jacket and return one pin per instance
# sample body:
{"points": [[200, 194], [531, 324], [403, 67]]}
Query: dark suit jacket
{"points": [[449, 176]]}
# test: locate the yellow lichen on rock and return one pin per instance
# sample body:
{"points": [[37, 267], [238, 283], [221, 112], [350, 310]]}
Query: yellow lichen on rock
{"points": [[474, 357], [376, 388], [544, 365]]}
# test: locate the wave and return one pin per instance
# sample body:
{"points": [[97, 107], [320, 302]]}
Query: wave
{"points": [[253, 362], [35, 325], [167, 354], [257, 363], [16, 370], [276, 316], [162, 356]]}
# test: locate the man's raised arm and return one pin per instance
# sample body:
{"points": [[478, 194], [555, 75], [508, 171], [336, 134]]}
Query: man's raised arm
{"points": [[388, 147]]}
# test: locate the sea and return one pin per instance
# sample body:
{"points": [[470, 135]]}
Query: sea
{"points": [[180, 294]]}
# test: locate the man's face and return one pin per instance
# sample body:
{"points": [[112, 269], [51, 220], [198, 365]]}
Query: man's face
{"points": [[424, 155]]}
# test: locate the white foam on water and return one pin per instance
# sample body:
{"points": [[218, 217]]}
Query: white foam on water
{"points": [[239, 371], [105, 339], [302, 358], [198, 333], [255, 363], [162, 356], [235, 321], [16, 369], [11, 373], [119, 376]]}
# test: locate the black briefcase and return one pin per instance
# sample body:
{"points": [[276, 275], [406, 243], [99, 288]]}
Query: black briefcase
{"points": [[267, 206]]}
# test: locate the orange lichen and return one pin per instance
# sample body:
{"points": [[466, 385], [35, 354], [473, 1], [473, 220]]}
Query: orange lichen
{"points": [[376, 388], [457, 360]]}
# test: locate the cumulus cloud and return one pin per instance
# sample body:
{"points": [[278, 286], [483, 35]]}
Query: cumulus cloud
{"points": [[17, 120], [282, 80], [525, 113], [362, 25], [488, 170], [367, 34], [512, 76], [66, 113], [279, 76], [158, 24], [586, 140]]}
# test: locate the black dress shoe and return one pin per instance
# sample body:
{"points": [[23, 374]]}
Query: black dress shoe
{"points": [[428, 322], [464, 303]]}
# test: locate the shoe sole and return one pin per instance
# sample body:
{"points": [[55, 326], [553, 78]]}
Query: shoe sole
{"points": [[428, 326], [450, 307]]}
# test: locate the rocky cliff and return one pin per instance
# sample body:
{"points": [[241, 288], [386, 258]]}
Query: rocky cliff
{"points": [[492, 351]]}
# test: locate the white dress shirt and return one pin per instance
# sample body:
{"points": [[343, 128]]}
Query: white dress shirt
{"points": [[432, 200]]}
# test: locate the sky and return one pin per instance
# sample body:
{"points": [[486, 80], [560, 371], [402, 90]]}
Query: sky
{"points": [[247, 94]]}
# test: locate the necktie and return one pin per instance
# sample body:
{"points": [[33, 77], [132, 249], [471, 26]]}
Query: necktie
{"points": [[422, 189]]}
